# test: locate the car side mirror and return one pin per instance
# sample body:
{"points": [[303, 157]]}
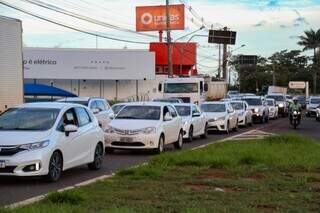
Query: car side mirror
{"points": [[167, 117], [196, 114], [95, 110], [111, 116], [70, 128], [160, 87]]}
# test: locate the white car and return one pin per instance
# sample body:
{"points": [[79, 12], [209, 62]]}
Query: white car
{"points": [[145, 125], [259, 108], [99, 107], [318, 113], [273, 108], [221, 116], [194, 121], [281, 102], [44, 139], [243, 111], [312, 104]]}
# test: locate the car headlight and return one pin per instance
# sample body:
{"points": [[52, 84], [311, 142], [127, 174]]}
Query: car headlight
{"points": [[256, 110], [281, 105], [33, 146], [148, 130], [110, 130]]}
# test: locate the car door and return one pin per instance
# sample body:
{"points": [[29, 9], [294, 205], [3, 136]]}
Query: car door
{"points": [[233, 117], [68, 143], [167, 126], [103, 115], [176, 123], [196, 120], [86, 140]]}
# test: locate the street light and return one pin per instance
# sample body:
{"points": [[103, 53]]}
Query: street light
{"points": [[201, 28]]}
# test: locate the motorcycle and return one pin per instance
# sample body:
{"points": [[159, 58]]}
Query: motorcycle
{"points": [[295, 119]]}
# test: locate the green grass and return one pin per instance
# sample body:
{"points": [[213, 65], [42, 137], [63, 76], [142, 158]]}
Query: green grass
{"points": [[280, 173]]}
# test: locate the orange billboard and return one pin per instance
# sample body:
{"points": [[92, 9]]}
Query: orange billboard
{"points": [[153, 18]]}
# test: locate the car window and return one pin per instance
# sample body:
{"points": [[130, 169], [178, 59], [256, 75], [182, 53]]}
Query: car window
{"points": [[172, 111], [68, 118], [195, 110], [83, 116], [101, 105], [165, 111], [213, 107], [183, 110], [93, 105]]}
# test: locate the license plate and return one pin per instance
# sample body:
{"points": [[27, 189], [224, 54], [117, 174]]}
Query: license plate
{"points": [[126, 139], [2, 164]]}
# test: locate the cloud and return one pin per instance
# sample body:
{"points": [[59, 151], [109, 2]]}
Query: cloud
{"points": [[283, 26], [260, 24]]}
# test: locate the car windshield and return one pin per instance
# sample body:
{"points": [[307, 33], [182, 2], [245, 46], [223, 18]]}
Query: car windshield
{"points": [[117, 108], [237, 105], [140, 113], [270, 103], [213, 107], [315, 101], [84, 103], [253, 101], [183, 110], [276, 97], [181, 88], [32, 119]]}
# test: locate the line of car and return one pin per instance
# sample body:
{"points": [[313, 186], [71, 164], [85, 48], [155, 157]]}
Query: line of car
{"points": [[44, 139]]}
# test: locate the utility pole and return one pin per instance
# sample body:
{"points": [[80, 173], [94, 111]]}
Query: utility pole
{"points": [[219, 69], [169, 45], [224, 59], [274, 74]]}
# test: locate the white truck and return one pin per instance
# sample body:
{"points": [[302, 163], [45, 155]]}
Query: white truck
{"points": [[189, 89], [277, 89], [11, 68]]}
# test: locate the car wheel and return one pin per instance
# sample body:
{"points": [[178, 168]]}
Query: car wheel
{"points": [[190, 134], [205, 133], [98, 158], [55, 167], [160, 145], [179, 143]]}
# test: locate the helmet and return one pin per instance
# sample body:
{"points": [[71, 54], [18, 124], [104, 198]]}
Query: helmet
{"points": [[295, 99]]}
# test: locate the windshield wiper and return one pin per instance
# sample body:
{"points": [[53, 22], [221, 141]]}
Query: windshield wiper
{"points": [[126, 117]]}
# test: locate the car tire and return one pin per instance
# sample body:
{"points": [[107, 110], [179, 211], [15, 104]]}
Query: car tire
{"points": [[160, 148], [96, 164], [179, 143], [190, 134], [205, 133], [55, 167]]}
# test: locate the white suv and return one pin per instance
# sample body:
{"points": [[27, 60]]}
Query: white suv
{"points": [[312, 104], [44, 139], [99, 107], [244, 113], [221, 116], [145, 125]]}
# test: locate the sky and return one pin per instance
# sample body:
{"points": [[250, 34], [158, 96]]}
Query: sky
{"points": [[264, 26]]}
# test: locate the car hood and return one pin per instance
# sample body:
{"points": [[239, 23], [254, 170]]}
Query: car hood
{"points": [[133, 124], [211, 115], [11, 138]]}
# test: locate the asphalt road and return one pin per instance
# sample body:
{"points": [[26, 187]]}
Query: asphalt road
{"points": [[17, 189]]}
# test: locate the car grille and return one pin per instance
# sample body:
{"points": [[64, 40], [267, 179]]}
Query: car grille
{"points": [[8, 169], [9, 150], [137, 144], [127, 132]]}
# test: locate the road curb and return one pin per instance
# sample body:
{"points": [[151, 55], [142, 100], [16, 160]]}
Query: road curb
{"points": [[41, 197]]}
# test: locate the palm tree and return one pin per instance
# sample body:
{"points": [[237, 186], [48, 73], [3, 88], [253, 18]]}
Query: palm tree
{"points": [[311, 41]]}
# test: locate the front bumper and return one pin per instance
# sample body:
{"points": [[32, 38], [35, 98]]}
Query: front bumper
{"points": [[15, 164], [217, 125], [139, 141]]}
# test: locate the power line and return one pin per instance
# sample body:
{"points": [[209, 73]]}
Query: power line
{"points": [[69, 27], [81, 17]]}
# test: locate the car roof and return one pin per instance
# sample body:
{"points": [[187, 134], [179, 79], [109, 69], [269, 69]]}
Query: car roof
{"points": [[237, 101], [79, 99], [214, 102], [149, 103], [183, 104], [275, 94], [51, 105], [251, 97], [270, 99]]}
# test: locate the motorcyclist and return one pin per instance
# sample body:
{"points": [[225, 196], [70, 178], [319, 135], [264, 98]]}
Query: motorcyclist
{"points": [[295, 106]]}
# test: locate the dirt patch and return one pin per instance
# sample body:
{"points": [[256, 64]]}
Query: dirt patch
{"points": [[214, 174], [314, 186], [201, 186], [254, 177]]}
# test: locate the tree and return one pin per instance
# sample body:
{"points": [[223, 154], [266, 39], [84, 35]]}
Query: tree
{"points": [[311, 41]]}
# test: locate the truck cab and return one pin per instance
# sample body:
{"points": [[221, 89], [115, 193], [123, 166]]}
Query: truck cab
{"points": [[190, 90]]}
